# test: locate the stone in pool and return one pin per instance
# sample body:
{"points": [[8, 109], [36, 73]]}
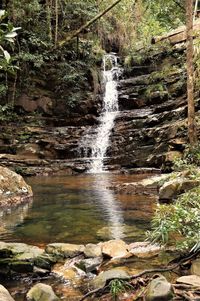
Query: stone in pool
{"points": [[41, 292], [64, 250]]}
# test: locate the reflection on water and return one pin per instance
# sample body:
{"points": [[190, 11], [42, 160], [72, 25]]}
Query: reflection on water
{"points": [[107, 201], [79, 209], [12, 218]]}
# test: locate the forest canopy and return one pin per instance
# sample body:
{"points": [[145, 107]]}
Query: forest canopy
{"points": [[44, 23]]}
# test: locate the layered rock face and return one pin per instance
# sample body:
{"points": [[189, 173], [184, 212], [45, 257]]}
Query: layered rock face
{"points": [[150, 129]]}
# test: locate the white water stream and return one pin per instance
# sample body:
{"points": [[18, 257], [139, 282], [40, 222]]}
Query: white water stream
{"points": [[111, 72]]}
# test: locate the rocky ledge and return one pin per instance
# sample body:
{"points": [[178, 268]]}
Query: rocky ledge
{"points": [[76, 265], [13, 189], [165, 186], [90, 266]]}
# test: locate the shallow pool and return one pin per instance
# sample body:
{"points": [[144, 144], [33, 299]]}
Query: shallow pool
{"points": [[79, 209]]}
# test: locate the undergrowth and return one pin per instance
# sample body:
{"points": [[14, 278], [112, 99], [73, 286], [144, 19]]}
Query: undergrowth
{"points": [[178, 224]]}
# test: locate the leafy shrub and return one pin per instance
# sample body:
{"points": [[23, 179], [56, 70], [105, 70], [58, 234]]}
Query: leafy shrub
{"points": [[7, 113], [178, 224], [190, 159]]}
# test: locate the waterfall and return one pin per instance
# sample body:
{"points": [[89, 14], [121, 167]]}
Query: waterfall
{"points": [[111, 72]]}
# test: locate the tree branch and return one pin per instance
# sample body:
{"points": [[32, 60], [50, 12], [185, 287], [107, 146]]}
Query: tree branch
{"points": [[86, 25]]}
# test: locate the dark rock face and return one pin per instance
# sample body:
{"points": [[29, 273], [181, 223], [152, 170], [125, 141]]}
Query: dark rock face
{"points": [[150, 129]]}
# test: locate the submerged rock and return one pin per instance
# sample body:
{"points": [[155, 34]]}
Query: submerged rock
{"points": [[159, 289], [41, 292], [4, 294]]}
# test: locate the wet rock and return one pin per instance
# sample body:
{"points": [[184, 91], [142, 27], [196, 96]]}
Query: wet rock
{"points": [[21, 267], [146, 186], [20, 251], [44, 261], [13, 189], [4, 294], [191, 280], [64, 250], [144, 250], [18, 258], [40, 272], [172, 188], [114, 248], [90, 264], [103, 277], [41, 292], [195, 268], [92, 250], [68, 272], [159, 289]]}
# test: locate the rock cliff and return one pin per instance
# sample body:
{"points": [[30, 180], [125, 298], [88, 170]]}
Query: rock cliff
{"points": [[150, 130]]}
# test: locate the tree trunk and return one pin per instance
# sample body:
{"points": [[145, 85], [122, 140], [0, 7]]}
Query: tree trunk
{"points": [[190, 70], [48, 16], [56, 25], [97, 17]]}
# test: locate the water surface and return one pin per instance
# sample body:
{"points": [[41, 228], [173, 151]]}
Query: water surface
{"points": [[79, 209]]}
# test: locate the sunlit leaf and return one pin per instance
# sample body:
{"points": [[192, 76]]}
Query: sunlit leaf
{"points": [[11, 34], [7, 56], [2, 13]]}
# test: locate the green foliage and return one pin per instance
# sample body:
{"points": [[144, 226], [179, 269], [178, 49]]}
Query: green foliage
{"points": [[190, 159], [7, 114], [118, 286], [159, 17], [178, 224], [72, 78], [119, 29], [154, 88], [8, 34]]}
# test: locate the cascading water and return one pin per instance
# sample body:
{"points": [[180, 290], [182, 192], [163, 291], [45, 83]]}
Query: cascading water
{"points": [[109, 113]]}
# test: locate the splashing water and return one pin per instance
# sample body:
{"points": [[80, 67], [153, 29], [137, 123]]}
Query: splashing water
{"points": [[110, 111]]}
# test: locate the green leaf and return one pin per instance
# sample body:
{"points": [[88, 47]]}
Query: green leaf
{"points": [[11, 34], [2, 13], [7, 56]]}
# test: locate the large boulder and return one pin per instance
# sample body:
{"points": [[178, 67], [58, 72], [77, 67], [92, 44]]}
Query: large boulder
{"points": [[13, 189], [159, 289], [4, 294], [41, 292]]}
